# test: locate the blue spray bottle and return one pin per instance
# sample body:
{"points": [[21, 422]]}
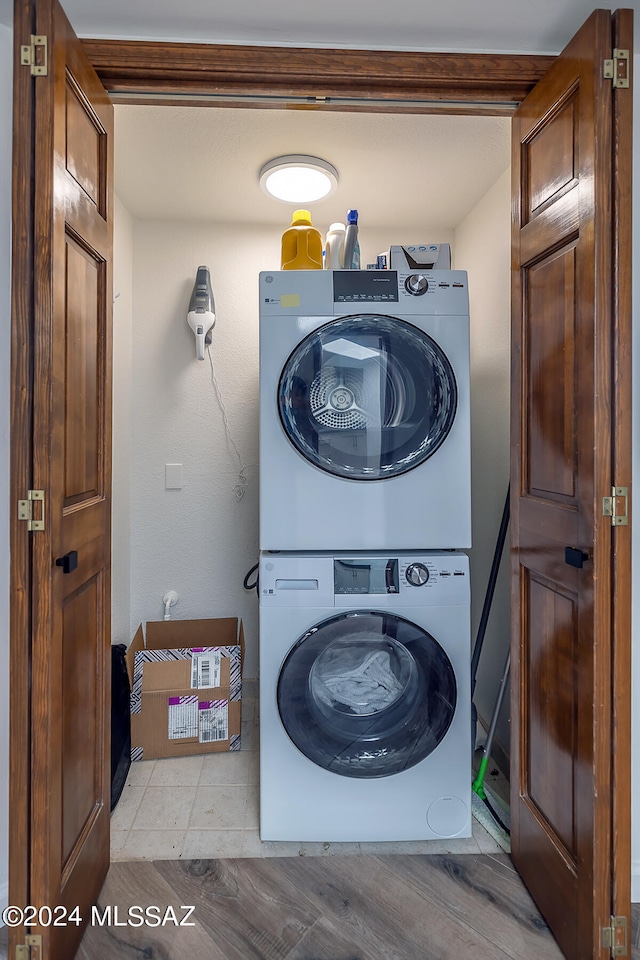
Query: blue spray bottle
{"points": [[351, 245]]}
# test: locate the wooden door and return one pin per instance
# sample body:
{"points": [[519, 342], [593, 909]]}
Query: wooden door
{"points": [[570, 419], [59, 855]]}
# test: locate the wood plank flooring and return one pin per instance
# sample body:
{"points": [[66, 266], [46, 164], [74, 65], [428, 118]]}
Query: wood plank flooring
{"points": [[327, 908], [427, 907]]}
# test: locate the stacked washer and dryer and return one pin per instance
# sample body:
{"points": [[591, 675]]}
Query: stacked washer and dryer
{"points": [[365, 507]]}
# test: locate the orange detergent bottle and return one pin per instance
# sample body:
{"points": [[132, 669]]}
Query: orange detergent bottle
{"points": [[301, 244]]}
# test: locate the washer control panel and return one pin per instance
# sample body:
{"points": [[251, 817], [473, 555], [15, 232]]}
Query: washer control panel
{"points": [[417, 574], [432, 571], [362, 580]]}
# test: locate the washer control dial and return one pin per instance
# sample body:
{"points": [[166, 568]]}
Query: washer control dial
{"points": [[417, 574], [416, 284]]}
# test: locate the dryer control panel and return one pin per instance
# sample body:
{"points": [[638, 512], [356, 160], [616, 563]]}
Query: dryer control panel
{"points": [[416, 292], [329, 293]]}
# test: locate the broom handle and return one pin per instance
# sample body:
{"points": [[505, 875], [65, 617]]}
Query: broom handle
{"points": [[491, 586]]}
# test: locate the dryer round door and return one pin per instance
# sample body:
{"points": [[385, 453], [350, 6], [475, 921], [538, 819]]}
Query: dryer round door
{"points": [[366, 694], [367, 397]]}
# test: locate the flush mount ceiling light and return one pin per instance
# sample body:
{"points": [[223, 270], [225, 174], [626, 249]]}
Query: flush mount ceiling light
{"points": [[298, 179]]}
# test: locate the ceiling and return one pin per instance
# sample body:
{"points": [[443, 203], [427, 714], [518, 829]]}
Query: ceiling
{"points": [[448, 25], [202, 163]]}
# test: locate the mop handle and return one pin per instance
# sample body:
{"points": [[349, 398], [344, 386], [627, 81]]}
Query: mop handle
{"points": [[478, 783]]}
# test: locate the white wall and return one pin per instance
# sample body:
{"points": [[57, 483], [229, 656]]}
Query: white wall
{"points": [[482, 248], [199, 541], [122, 406], [6, 84]]}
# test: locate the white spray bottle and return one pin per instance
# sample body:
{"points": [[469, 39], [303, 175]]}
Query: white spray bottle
{"points": [[202, 310]]}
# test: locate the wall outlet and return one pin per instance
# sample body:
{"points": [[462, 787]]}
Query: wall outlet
{"points": [[173, 476]]}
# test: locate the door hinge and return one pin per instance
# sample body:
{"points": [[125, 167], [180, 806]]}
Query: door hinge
{"points": [[614, 938], [29, 56], [618, 68], [616, 507], [25, 510], [31, 949]]}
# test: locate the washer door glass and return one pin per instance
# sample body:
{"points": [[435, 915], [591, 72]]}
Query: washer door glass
{"points": [[366, 694], [367, 397]]}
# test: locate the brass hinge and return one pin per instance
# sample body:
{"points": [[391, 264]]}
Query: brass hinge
{"points": [[616, 507], [29, 56], [614, 938], [31, 949], [618, 68], [25, 510]]}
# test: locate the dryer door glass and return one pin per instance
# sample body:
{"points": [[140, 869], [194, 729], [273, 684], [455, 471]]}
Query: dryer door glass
{"points": [[367, 397], [366, 694]]}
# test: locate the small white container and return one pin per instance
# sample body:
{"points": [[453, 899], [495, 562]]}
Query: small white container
{"points": [[334, 247]]}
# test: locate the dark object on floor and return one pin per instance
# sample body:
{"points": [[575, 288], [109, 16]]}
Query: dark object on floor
{"points": [[120, 722]]}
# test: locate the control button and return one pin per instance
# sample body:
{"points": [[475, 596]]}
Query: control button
{"points": [[416, 284], [417, 574]]}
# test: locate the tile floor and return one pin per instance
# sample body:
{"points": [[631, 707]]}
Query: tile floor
{"points": [[207, 807]]}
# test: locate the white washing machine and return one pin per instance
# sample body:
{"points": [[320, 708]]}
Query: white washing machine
{"points": [[364, 410], [365, 701]]}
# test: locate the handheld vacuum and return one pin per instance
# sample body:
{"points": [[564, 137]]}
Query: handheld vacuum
{"points": [[202, 310]]}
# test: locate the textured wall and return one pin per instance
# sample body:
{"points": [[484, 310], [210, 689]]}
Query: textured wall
{"points": [[482, 247], [122, 411]]}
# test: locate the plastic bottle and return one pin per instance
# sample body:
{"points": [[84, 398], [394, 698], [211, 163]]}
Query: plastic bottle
{"points": [[301, 244], [334, 247], [351, 245]]}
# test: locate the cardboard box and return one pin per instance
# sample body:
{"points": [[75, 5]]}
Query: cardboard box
{"points": [[186, 687]]}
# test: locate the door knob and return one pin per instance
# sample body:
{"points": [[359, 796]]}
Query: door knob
{"points": [[575, 557], [69, 562]]}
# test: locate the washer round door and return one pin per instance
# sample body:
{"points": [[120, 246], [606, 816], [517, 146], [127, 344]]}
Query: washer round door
{"points": [[366, 694], [367, 397]]}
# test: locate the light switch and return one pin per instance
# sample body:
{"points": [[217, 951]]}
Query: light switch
{"points": [[173, 476]]}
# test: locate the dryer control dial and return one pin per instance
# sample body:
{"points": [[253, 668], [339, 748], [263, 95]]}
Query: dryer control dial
{"points": [[417, 574], [416, 284]]}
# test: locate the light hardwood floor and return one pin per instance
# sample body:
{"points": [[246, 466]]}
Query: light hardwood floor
{"points": [[424, 907], [438, 907]]}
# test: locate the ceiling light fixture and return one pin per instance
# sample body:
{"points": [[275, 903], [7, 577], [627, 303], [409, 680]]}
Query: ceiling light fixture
{"points": [[298, 179]]}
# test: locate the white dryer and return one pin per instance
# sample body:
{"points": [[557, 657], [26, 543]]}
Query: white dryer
{"points": [[365, 702], [364, 410]]}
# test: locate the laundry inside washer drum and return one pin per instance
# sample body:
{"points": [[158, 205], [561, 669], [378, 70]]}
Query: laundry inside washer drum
{"points": [[367, 397], [366, 694]]}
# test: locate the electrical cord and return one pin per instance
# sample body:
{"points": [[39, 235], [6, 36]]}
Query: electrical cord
{"points": [[240, 487], [254, 585]]}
